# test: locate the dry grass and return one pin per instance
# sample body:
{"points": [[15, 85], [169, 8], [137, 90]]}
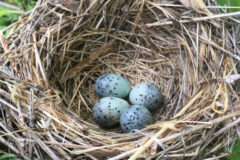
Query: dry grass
{"points": [[52, 59]]}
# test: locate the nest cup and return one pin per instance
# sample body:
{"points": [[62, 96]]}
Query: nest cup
{"points": [[51, 60]]}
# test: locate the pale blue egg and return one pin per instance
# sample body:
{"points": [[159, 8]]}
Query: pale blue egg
{"points": [[135, 117], [112, 85], [107, 110], [146, 94]]}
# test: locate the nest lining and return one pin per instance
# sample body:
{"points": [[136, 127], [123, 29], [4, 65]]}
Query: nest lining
{"points": [[52, 59]]}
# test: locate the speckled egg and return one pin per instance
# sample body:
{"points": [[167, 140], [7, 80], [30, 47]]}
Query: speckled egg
{"points": [[135, 117], [112, 85], [146, 94], [107, 110]]}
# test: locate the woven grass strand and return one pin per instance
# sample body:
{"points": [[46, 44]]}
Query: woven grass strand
{"points": [[55, 52]]}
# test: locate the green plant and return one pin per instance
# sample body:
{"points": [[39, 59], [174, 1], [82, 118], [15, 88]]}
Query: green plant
{"points": [[236, 151], [24, 5], [8, 156], [8, 16], [232, 3]]}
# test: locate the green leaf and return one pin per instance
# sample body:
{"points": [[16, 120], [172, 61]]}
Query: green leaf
{"points": [[7, 156], [4, 12], [23, 4], [232, 3], [4, 20], [7, 16], [236, 151]]}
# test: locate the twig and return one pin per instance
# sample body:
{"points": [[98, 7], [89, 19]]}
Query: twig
{"points": [[38, 59], [189, 105], [217, 47], [44, 146], [196, 128], [146, 145], [31, 114], [124, 155], [3, 42], [210, 7], [227, 127], [10, 146], [198, 19]]}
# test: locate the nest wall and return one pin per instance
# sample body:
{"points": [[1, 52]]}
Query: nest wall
{"points": [[52, 58]]}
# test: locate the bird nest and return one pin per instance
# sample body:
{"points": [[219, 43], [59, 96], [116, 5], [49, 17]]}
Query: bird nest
{"points": [[52, 57]]}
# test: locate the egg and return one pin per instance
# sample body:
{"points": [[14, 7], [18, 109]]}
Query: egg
{"points": [[135, 117], [146, 94], [107, 110], [112, 85]]}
